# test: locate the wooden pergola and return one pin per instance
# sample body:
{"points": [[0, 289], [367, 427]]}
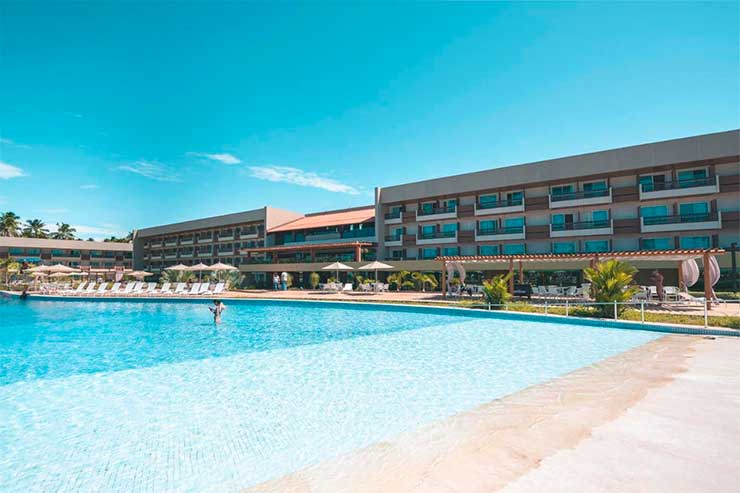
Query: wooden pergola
{"points": [[678, 255]]}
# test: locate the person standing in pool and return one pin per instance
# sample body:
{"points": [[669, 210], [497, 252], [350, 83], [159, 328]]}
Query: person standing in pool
{"points": [[217, 309]]}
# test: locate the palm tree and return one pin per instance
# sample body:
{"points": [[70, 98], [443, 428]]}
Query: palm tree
{"points": [[35, 228], [496, 291], [9, 224], [421, 280], [611, 281], [64, 232], [400, 279]]}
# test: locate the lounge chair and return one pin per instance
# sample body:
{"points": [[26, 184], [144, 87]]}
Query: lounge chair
{"points": [[347, 288], [219, 289], [115, 288], [204, 288], [165, 289], [80, 288], [150, 288], [90, 288], [128, 288], [195, 288], [181, 288], [137, 287], [101, 288]]}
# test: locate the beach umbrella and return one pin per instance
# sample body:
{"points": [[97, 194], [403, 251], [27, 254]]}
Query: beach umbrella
{"points": [[139, 274], [178, 267], [199, 268], [337, 266], [60, 268], [219, 266], [376, 266]]}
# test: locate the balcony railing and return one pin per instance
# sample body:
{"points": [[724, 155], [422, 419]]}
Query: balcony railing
{"points": [[510, 230], [500, 203], [393, 238], [358, 233], [678, 184], [581, 225], [437, 235], [393, 215], [584, 194], [436, 210], [205, 239], [680, 218]]}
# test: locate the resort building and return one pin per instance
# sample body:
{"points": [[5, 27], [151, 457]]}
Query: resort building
{"points": [[73, 253], [208, 241], [677, 194]]}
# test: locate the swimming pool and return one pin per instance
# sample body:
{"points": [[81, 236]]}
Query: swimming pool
{"points": [[152, 396]]}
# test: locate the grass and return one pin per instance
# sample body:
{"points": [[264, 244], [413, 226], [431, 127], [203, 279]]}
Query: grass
{"points": [[628, 314]]}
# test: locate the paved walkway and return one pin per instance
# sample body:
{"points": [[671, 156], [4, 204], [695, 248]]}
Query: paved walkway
{"points": [[661, 417]]}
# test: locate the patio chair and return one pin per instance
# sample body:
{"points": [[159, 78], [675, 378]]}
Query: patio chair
{"points": [[90, 288], [137, 288], [554, 291], [102, 288], [219, 289], [671, 293], [570, 291], [194, 289], [204, 288], [80, 288], [181, 288], [115, 288], [165, 289], [128, 288], [347, 288]]}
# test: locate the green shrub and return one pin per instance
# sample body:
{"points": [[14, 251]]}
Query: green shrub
{"points": [[611, 281], [496, 290], [314, 279]]}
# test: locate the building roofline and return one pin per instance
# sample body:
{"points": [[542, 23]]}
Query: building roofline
{"points": [[23, 242]]}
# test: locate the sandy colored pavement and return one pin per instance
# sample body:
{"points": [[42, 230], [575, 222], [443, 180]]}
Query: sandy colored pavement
{"points": [[660, 417]]}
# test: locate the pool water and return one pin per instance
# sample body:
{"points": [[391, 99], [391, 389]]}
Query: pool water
{"points": [[150, 396]]}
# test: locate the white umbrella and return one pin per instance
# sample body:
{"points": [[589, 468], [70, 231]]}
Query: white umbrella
{"points": [[220, 266], [178, 267], [199, 268], [337, 266], [65, 274], [376, 266], [60, 268], [139, 274]]}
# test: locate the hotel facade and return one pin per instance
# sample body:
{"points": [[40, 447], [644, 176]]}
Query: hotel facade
{"points": [[676, 194], [73, 253]]}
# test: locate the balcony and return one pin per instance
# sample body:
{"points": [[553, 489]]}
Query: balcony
{"points": [[500, 207], [206, 253], [585, 228], [436, 237], [681, 222], [394, 240], [249, 234], [205, 239], [170, 255], [582, 198], [170, 242], [186, 255], [394, 217], [436, 214], [367, 234], [491, 234], [224, 253], [186, 241], [226, 236], [682, 188]]}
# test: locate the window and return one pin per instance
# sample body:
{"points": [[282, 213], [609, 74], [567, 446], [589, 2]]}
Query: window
{"points": [[397, 254], [33, 251], [398, 232], [514, 222], [450, 251], [654, 211], [692, 176], [561, 190], [16, 251], [695, 242], [427, 207], [488, 199], [449, 228], [489, 250], [651, 183], [600, 216], [514, 249], [657, 243], [428, 253], [694, 208], [515, 198], [594, 189], [596, 246], [428, 230], [564, 247], [488, 226]]}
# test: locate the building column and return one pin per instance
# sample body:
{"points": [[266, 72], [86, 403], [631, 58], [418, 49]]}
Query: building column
{"points": [[680, 276], [521, 272], [310, 254], [707, 283], [358, 253], [511, 276], [444, 279]]}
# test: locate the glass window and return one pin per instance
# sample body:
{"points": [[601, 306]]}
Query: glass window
{"points": [[595, 189], [514, 249], [600, 216], [596, 246], [398, 232], [558, 219], [654, 211], [515, 197], [428, 253], [427, 206], [489, 250], [451, 251], [562, 190], [488, 199], [691, 175], [564, 247], [427, 230], [695, 242], [488, 226], [514, 222], [16, 251], [694, 208], [650, 183], [657, 244], [449, 228]]}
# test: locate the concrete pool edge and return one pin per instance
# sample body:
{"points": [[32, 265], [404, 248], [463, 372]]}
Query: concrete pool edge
{"points": [[493, 445], [502, 314]]}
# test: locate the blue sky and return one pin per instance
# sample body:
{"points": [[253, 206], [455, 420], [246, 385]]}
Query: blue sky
{"points": [[116, 115]]}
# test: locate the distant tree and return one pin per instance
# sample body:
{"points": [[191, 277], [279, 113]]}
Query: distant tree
{"points": [[35, 228], [64, 232], [10, 224]]}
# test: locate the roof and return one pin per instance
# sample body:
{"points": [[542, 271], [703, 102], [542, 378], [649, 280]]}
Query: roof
{"points": [[683, 254], [304, 247], [22, 242], [206, 222], [690, 149], [327, 219]]}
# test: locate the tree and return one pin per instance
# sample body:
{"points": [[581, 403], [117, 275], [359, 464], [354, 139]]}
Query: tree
{"points": [[9, 224], [64, 232], [314, 279], [611, 281], [399, 279], [496, 290], [421, 281], [35, 228], [8, 265]]}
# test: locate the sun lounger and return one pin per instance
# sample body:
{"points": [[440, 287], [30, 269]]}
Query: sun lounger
{"points": [[347, 287], [79, 289], [165, 289], [204, 288], [101, 288], [128, 288], [115, 288], [181, 288], [150, 288], [90, 288], [137, 287], [195, 288], [219, 289]]}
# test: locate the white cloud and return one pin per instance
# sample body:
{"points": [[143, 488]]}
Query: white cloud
{"points": [[151, 169], [8, 171], [10, 142], [224, 158], [89, 186], [297, 176]]}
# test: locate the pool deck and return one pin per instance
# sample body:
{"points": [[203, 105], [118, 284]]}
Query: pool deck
{"points": [[660, 417]]}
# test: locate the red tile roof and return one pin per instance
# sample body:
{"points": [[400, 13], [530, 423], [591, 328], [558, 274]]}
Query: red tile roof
{"points": [[325, 219]]}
